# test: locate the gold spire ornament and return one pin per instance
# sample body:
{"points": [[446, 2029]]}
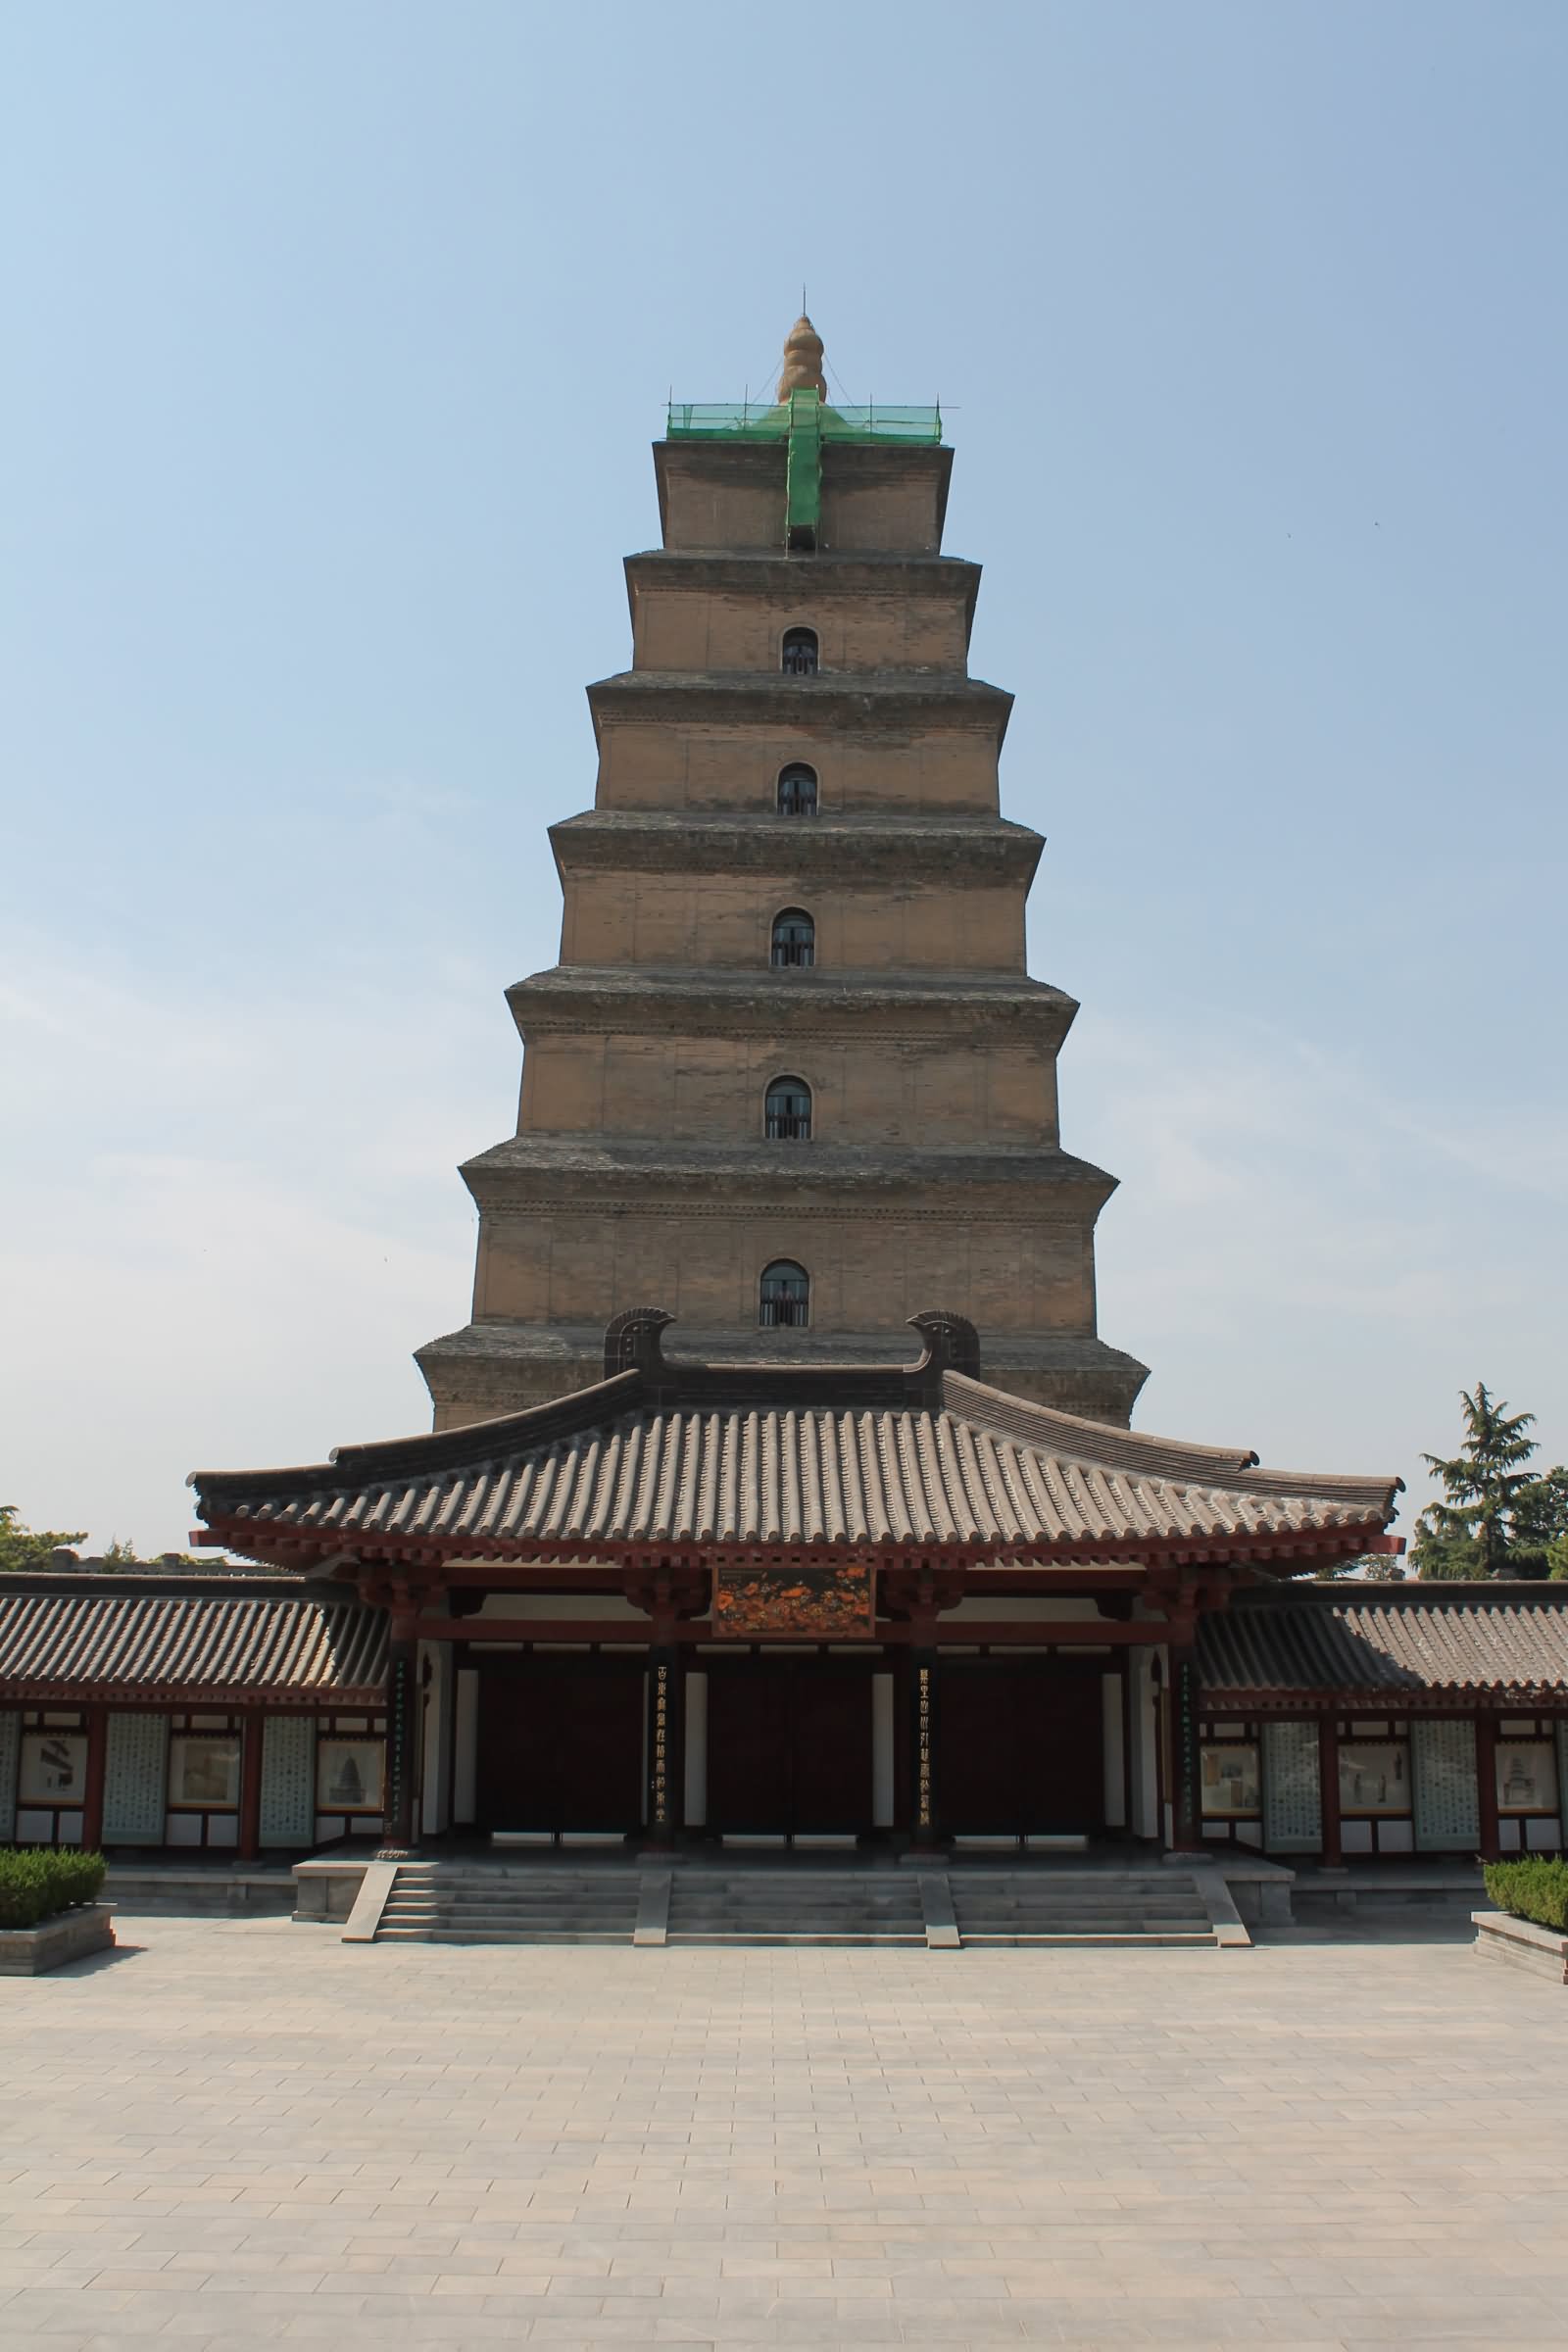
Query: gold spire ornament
{"points": [[802, 361]]}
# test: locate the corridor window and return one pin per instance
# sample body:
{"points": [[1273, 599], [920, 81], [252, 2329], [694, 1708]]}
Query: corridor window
{"points": [[789, 1111], [786, 1297], [794, 938], [797, 790], [799, 654]]}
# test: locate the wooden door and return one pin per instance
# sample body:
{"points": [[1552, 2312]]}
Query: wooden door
{"points": [[561, 1744], [789, 1745], [1020, 1747]]}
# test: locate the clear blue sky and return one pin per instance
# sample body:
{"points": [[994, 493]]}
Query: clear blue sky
{"points": [[336, 338]]}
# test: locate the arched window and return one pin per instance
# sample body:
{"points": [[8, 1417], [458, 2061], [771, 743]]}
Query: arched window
{"points": [[789, 1111], [797, 790], [786, 1297], [794, 937], [799, 654]]}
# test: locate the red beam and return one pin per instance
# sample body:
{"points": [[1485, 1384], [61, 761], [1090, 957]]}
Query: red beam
{"points": [[1067, 1634]]}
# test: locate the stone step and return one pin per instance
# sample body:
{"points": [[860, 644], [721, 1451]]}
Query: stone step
{"points": [[437, 1903], [1197, 1937], [499, 1934], [479, 1899], [605, 1913], [759, 1937]]}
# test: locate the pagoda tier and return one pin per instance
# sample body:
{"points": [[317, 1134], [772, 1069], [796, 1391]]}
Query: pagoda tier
{"points": [[790, 1068]]}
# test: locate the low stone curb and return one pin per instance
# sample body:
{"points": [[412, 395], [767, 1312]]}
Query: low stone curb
{"points": [[1520, 1943], [68, 1935]]}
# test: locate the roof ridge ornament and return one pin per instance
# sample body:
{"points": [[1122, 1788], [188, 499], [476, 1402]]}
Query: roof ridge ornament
{"points": [[803, 362], [951, 1342], [631, 1340]]}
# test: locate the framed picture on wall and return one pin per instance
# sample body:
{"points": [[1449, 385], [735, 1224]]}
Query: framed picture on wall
{"points": [[1527, 1776], [348, 1774], [54, 1768], [1232, 1782], [1374, 1775], [203, 1770]]}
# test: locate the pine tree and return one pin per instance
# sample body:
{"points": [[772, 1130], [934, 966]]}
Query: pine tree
{"points": [[23, 1547], [1471, 1531]]}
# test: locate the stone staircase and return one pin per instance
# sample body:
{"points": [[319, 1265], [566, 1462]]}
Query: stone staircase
{"points": [[697, 1904], [794, 1906], [1163, 1906], [441, 1902]]}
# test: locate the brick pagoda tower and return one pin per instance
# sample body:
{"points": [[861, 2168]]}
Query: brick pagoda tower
{"points": [[790, 1079]]}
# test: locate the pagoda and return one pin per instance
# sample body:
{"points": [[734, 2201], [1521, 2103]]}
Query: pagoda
{"points": [[789, 1074]]}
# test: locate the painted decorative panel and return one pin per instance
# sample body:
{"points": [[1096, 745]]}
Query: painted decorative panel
{"points": [[288, 1780], [1447, 1805], [134, 1758], [828, 1603], [9, 1748], [1292, 1809]]}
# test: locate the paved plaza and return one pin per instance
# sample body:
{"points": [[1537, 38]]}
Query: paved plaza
{"points": [[238, 2133]]}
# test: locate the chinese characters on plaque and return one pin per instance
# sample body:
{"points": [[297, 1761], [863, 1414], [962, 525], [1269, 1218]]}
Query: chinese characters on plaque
{"points": [[660, 1793]]}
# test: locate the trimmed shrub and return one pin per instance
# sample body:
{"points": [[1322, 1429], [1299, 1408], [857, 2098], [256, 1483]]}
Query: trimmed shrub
{"points": [[1535, 1890], [36, 1881]]}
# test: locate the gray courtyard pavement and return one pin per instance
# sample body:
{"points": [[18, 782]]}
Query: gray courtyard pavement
{"points": [[240, 2134]]}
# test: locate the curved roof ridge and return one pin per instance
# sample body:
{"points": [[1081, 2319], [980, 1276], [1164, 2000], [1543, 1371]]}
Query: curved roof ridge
{"points": [[1098, 1441], [472, 1446], [1179, 1461]]}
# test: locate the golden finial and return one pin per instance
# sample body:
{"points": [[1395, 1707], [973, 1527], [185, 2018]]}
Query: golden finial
{"points": [[802, 361]]}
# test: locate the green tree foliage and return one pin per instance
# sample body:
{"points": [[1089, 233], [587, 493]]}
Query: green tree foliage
{"points": [[1376, 1567], [1541, 1520], [1497, 1516], [23, 1547]]}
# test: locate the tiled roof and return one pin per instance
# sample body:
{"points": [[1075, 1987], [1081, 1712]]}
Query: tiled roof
{"points": [[69, 1640], [666, 1455], [1388, 1641]]}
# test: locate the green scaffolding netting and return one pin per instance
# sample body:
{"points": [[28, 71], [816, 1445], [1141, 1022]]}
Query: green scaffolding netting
{"points": [[758, 421]]}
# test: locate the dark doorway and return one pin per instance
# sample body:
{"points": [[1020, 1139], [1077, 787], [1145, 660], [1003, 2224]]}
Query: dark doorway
{"points": [[561, 1744], [1019, 1746], [789, 1745]]}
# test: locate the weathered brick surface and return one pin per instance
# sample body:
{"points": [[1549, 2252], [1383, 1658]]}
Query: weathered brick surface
{"points": [[642, 1172]]}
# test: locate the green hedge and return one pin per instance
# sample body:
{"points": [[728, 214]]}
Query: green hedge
{"points": [[35, 1882], [1536, 1890]]}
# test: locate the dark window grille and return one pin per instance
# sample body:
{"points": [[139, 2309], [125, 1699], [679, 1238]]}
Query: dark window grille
{"points": [[797, 791], [786, 1297], [794, 938], [789, 1111], [799, 654]]}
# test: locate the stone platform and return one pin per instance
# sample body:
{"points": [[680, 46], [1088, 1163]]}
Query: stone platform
{"points": [[234, 2134]]}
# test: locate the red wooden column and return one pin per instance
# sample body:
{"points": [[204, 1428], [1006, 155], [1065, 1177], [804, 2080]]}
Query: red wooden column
{"points": [[1186, 1788], [92, 1807], [1486, 1787], [925, 1837], [666, 1744], [252, 1725], [670, 1597], [1328, 1779], [402, 1739]]}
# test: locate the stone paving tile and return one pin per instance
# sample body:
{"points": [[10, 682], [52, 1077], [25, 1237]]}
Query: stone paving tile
{"points": [[243, 2135]]}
